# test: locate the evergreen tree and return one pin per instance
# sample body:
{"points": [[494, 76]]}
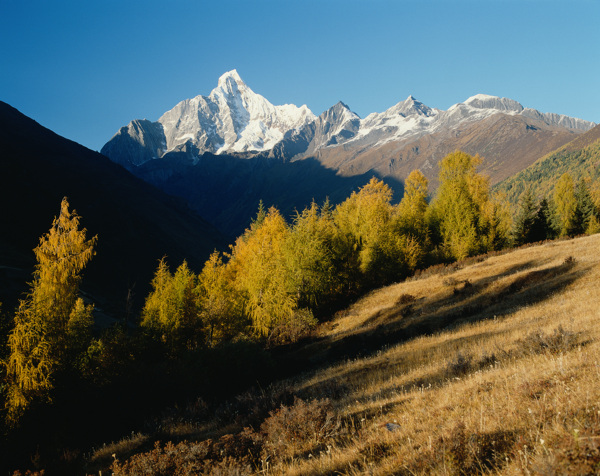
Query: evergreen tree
{"points": [[584, 208], [541, 228], [525, 219], [52, 324]]}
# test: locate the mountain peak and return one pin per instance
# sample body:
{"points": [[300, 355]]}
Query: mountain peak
{"points": [[230, 75], [485, 101]]}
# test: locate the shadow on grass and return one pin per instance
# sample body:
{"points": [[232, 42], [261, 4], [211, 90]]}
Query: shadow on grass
{"points": [[479, 300]]}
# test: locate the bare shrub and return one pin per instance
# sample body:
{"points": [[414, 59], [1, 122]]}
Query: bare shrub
{"points": [[559, 341], [252, 407], [569, 261], [244, 447], [477, 453], [182, 459], [460, 365], [406, 298], [574, 453], [291, 330], [228, 457], [301, 428]]}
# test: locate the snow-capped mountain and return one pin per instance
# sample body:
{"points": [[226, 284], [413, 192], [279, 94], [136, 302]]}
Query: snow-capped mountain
{"points": [[232, 118], [224, 152]]}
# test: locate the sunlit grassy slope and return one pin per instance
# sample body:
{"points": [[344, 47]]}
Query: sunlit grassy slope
{"points": [[490, 366]]}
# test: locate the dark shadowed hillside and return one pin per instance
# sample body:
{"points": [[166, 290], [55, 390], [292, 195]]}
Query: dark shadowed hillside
{"points": [[136, 224], [226, 190]]}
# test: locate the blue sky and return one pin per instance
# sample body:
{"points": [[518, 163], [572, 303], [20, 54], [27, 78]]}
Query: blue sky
{"points": [[85, 68]]}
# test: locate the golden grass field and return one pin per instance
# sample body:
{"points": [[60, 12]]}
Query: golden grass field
{"points": [[491, 366]]}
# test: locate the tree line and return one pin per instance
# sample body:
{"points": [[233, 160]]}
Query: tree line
{"points": [[278, 279]]}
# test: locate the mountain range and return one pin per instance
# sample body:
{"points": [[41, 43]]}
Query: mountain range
{"points": [[234, 119], [226, 151]]}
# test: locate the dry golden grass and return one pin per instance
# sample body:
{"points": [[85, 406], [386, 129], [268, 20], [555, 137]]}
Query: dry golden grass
{"points": [[493, 368]]}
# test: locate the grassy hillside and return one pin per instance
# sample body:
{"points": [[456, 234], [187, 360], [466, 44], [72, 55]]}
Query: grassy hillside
{"points": [[489, 365], [580, 158]]}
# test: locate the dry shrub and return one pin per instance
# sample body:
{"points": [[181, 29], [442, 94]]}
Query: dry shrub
{"points": [[376, 451], [244, 447], [186, 459], [406, 298], [463, 287], [228, 467], [252, 407], [182, 459], [573, 455], [536, 389], [299, 325], [569, 261], [559, 341], [463, 364], [574, 450], [301, 428], [477, 453], [460, 365]]}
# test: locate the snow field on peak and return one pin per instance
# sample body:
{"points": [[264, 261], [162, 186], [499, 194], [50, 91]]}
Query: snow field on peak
{"points": [[231, 118]]}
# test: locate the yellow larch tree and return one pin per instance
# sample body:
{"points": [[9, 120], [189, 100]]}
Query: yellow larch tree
{"points": [[53, 322], [260, 274]]}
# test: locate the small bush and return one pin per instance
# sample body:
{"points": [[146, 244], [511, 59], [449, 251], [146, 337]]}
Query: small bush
{"points": [[573, 454], [559, 341], [461, 365], [227, 457], [291, 330], [182, 459], [405, 298], [301, 428], [477, 453]]}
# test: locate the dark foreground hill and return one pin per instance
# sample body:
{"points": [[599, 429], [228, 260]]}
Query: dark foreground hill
{"points": [[136, 224]]}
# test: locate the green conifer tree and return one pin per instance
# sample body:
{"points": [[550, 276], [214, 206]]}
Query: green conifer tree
{"points": [[525, 219], [584, 208]]}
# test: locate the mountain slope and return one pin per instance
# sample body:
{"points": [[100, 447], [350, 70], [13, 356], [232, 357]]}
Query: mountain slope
{"points": [[580, 158], [136, 224]]}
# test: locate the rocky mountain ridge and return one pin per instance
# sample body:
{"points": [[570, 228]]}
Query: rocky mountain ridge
{"points": [[235, 120]]}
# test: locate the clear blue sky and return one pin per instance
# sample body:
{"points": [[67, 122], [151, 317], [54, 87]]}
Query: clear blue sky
{"points": [[85, 68]]}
